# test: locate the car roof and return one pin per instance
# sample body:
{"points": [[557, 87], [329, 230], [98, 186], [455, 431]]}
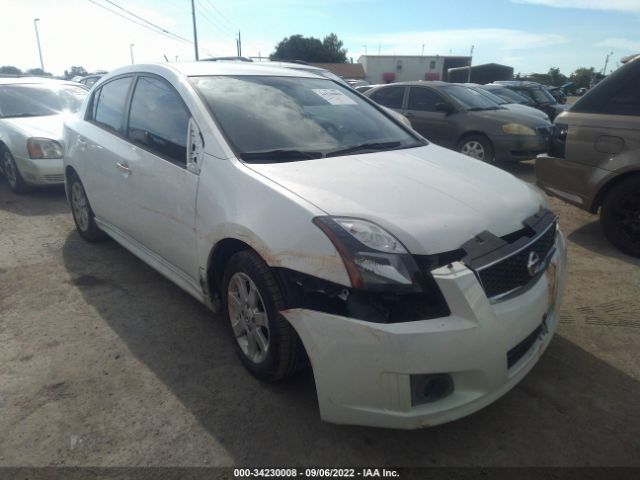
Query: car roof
{"points": [[34, 80], [195, 69], [417, 83], [517, 83]]}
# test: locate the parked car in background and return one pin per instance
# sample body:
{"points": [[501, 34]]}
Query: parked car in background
{"points": [[558, 94], [459, 118], [364, 88], [539, 97], [594, 159], [90, 80], [422, 285], [582, 91], [32, 113], [508, 104]]}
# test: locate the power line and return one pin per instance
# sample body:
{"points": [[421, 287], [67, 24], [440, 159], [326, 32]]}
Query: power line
{"points": [[147, 21], [147, 25], [221, 15], [214, 22]]}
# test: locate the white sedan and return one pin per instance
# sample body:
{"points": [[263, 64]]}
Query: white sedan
{"points": [[32, 112], [419, 284]]}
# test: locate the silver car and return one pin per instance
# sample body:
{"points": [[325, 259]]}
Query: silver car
{"points": [[32, 113]]}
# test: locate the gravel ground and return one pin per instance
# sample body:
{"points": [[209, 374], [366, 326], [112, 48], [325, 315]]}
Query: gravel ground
{"points": [[106, 363]]}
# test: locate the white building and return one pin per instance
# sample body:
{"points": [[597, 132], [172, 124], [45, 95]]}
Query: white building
{"points": [[405, 68]]}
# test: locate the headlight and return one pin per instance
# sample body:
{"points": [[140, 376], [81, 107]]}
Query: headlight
{"points": [[43, 148], [374, 258], [517, 129]]}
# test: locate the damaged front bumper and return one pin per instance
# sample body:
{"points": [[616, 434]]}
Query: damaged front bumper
{"points": [[367, 373]]}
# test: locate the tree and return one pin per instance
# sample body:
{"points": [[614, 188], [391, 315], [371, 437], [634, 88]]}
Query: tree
{"points": [[38, 72], [10, 70], [75, 72], [310, 49], [555, 77], [333, 49], [582, 77]]}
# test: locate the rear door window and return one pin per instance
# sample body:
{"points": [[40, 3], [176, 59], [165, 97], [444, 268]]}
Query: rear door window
{"points": [[625, 101], [424, 99], [390, 97], [109, 104], [159, 120]]}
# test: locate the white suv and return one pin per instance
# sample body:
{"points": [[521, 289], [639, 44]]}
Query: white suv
{"points": [[420, 284]]}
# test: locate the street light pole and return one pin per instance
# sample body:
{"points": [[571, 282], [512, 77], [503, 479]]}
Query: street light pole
{"points": [[470, 62], [35, 24], [195, 29], [131, 45], [606, 62]]}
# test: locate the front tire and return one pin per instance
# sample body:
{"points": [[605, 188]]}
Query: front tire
{"points": [[266, 343], [12, 174], [620, 216], [478, 147], [82, 213]]}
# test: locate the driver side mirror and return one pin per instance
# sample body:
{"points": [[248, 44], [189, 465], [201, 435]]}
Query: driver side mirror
{"points": [[444, 107]]}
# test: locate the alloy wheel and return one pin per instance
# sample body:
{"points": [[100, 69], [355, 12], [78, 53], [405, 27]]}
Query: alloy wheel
{"points": [[248, 317], [9, 170], [474, 149], [80, 206], [627, 216]]}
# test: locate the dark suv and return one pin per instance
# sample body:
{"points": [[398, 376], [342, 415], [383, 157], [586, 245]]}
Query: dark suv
{"points": [[538, 95]]}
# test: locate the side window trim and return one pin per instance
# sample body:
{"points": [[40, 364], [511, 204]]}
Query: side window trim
{"points": [[125, 112], [440, 97], [146, 148]]}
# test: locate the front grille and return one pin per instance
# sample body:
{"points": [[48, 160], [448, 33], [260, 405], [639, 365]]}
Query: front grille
{"points": [[512, 272], [58, 178], [519, 351]]}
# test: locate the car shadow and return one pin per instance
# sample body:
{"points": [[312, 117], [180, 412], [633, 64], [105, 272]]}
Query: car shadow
{"points": [[523, 170], [572, 409], [591, 237], [41, 201]]}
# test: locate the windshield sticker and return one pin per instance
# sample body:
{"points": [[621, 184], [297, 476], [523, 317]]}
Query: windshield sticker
{"points": [[333, 96]]}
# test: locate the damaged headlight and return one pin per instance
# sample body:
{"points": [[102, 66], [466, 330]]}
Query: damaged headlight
{"points": [[373, 257]]}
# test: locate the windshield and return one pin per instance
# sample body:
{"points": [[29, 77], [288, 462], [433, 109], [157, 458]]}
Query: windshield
{"points": [[507, 94], [542, 96], [36, 100], [277, 119], [470, 99], [490, 96]]}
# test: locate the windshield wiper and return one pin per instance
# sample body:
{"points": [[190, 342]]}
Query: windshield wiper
{"points": [[478, 109], [17, 115], [364, 147], [280, 155]]}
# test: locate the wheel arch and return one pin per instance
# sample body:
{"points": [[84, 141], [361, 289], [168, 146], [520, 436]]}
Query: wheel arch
{"points": [[219, 256], [608, 185], [470, 133]]}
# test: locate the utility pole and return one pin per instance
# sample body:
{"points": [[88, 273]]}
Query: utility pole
{"points": [[35, 24], [131, 45], [365, 49], [470, 62], [239, 44], [422, 54], [606, 62], [195, 29]]}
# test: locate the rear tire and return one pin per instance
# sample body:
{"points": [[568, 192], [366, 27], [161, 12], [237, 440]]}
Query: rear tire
{"points": [[266, 343], [620, 216], [82, 213], [478, 147], [12, 174]]}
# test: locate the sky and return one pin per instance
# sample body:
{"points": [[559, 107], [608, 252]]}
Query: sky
{"points": [[530, 35]]}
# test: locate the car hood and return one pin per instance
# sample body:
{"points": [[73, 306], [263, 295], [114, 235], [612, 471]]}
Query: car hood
{"points": [[49, 126], [431, 198], [507, 115], [524, 109]]}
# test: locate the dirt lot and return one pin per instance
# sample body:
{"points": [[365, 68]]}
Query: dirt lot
{"points": [[106, 363]]}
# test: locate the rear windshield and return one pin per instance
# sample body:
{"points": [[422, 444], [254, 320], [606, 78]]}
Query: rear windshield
{"points": [[509, 95], [470, 99], [272, 119], [36, 100], [491, 96]]}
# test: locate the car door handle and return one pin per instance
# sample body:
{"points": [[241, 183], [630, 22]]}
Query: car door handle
{"points": [[123, 167], [82, 143]]}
